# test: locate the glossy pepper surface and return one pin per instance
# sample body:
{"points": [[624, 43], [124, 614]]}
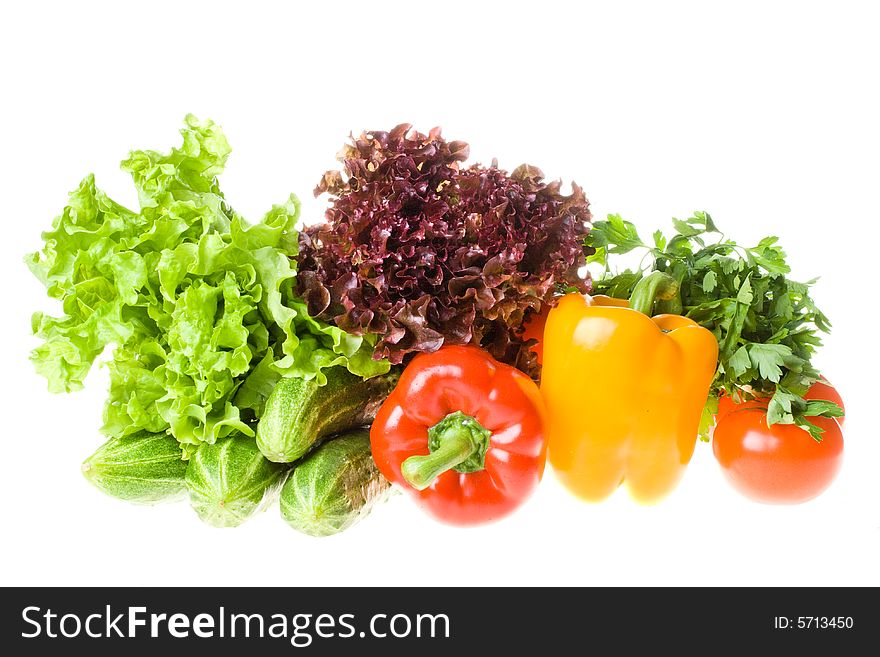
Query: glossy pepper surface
{"points": [[624, 391], [463, 434]]}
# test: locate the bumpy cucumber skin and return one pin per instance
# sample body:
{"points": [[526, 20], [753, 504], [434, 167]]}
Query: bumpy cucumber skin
{"points": [[334, 486], [300, 413], [143, 468], [231, 480]]}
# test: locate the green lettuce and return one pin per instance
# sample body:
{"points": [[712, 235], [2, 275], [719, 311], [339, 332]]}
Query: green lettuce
{"points": [[198, 304]]}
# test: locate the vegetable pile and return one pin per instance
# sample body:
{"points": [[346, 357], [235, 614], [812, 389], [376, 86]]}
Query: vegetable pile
{"points": [[401, 342]]}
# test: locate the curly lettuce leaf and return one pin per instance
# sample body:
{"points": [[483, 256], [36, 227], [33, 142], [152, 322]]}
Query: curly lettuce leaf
{"points": [[195, 300]]}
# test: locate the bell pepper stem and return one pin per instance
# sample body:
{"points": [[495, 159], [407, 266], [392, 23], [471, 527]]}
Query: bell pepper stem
{"points": [[458, 442], [671, 307], [656, 286], [421, 471]]}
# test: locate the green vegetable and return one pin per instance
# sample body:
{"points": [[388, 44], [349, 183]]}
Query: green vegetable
{"points": [[334, 486], [767, 325], [198, 303], [144, 468], [299, 412], [230, 481]]}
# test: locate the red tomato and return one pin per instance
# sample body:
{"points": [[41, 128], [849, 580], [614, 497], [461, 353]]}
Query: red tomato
{"points": [[824, 390], [534, 329], [819, 390], [776, 464], [727, 405]]}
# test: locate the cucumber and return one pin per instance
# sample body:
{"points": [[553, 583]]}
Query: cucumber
{"points": [[143, 468], [230, 481], [334, 486], [300, 413]]}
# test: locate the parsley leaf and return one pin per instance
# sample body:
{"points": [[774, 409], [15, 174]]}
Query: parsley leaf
{"points": [[614, 235], [709, 281], [769, 359]]}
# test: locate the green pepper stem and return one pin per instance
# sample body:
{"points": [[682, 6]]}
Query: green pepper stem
{"points": [[656, 286], [670, 307], [458, 442], [421, 471]]}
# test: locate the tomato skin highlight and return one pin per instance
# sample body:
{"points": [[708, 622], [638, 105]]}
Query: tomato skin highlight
{"points": [[779, 463]]}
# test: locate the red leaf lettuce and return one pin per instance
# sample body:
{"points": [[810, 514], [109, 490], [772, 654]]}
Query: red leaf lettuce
{"points": [[422, 252]]}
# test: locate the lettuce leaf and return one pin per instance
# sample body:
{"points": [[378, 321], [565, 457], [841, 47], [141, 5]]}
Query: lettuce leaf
{"points": [[196, 302], [419, 250]]}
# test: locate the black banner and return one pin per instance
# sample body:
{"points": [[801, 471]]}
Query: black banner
{"points": [[433, 621]]}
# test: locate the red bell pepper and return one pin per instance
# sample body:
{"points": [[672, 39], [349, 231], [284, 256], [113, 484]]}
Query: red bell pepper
{"points": [[463, 434]]}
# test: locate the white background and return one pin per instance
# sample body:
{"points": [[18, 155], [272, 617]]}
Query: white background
{"points": [[764, 113]]}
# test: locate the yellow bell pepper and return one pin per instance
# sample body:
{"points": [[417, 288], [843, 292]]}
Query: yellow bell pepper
{"points": [[624, 391]]}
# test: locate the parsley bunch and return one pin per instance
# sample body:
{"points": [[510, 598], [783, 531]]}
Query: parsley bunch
{"points": [[766, 324]]}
